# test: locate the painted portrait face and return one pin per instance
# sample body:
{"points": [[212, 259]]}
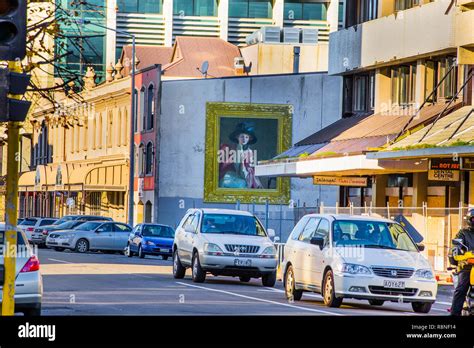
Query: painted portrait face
{"points": [[243, 139]]}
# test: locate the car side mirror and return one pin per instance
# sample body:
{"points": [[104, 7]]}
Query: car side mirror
{"points": [[271, 232], [421, 247], [317, 241]]}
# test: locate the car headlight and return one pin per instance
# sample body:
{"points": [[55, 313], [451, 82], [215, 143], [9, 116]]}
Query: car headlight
{"points": [[149, 242], [424, 273], [354, 269], [212, 249], [269, 252]]}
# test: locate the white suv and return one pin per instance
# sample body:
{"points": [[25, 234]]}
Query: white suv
{"points": [[224, 242], [357, 257]]}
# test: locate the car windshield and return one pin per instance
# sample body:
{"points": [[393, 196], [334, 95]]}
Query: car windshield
{"points": [[372, 234], [68, 224], [232, 224], [88, 226], [158, 231], [63, 220]]}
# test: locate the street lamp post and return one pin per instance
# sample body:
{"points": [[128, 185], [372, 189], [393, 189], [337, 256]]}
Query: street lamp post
{"points": [[131, 181]]}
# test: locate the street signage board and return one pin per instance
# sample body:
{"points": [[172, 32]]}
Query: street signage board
{"points": [[443, 175], [467, 163], [444, 164], [340, 181]]}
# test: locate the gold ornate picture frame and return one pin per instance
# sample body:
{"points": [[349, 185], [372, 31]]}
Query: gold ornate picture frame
{"points": [[262, 123]]}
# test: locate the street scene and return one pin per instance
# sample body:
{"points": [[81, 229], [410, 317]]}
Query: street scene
{"points": [[91, 284], [237, 158]]}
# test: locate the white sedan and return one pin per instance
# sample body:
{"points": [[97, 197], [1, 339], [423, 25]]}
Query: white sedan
{"points": [[367, 258]]}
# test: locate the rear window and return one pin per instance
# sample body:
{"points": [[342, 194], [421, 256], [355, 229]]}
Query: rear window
{"points": [[157, 231], [28, 222], [46, 222]]}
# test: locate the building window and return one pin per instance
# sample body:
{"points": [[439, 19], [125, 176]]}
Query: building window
{"points": [[140, 6], [401, 5], [150, 107], [149, 159], [359, 94], [360, 11], [448, 86], [135, 120], [250, 8], [42, 153], [141, 160], [203, 8], [299, 10], [403, 85], [142, 108]]}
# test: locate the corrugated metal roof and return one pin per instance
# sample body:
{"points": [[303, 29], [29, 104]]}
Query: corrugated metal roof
{"points": [[454, 127], [147, 56]]}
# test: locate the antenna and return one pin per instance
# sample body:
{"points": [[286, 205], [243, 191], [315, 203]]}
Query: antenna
{"points": [[204, 69]]}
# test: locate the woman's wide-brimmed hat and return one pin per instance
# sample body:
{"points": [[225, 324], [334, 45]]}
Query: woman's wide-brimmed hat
{"points": [[244, 128]]}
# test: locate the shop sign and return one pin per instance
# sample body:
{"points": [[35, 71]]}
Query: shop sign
{"points": [[467, 163], [340, 181], [443, 175], [444, 164]]}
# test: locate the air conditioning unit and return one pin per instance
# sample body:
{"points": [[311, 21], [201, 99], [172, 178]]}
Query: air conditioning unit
{"points": [[268, 34], [291, 35], [309, 36]]}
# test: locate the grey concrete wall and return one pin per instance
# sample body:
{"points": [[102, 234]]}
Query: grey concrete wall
{"points": [[345, 50], [316, 99]]}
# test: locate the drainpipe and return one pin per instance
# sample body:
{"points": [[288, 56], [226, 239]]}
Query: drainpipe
{"points": [[296, 59]]}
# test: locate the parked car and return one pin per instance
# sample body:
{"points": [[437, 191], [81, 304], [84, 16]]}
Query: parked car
{"points": [[224, 242], [40, 234], [28, 225], [82, 217], [92, 235], [28, 282], [150, 239], [364, 258]]}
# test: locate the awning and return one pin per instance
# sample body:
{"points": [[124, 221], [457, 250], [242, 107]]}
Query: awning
{"points": [[338, 166], [451, 134]]}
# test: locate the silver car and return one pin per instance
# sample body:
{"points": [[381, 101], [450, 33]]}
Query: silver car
{"points": [[28, 283], [92, 235], [28, 225]]}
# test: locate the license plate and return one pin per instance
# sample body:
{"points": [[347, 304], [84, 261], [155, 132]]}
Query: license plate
{"points": [[243, 263], [37, 235], [164, 250], [52, 240], [394, 284]]}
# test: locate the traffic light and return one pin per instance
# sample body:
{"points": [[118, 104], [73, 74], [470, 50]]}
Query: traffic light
{"points": [[12, 109], [12, 29]]}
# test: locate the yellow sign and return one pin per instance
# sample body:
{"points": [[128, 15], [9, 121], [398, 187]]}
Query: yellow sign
{"points": [[443, 175], [340, 181]]}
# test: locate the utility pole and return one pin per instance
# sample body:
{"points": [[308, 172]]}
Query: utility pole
{"points": [[13, 110]]}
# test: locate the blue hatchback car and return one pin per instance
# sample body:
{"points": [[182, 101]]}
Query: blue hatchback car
{"points": [[150, 239]]}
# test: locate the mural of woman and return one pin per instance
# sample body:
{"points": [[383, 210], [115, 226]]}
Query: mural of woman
{"points": [[237, 162]]}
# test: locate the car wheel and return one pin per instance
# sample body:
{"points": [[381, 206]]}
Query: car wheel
{"points": [[198, 274], [376, 302], [140, 252], [82, 246], [421, 307], [269, 279], [290, 286], [178, 270], [244, 279], [59, 249], [32, 312], [329, 292], [128, 251], [164, 257]]}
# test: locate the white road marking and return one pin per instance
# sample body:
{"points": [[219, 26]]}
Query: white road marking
{"points": [[62, 261], [260, 299], [444, 303]]}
